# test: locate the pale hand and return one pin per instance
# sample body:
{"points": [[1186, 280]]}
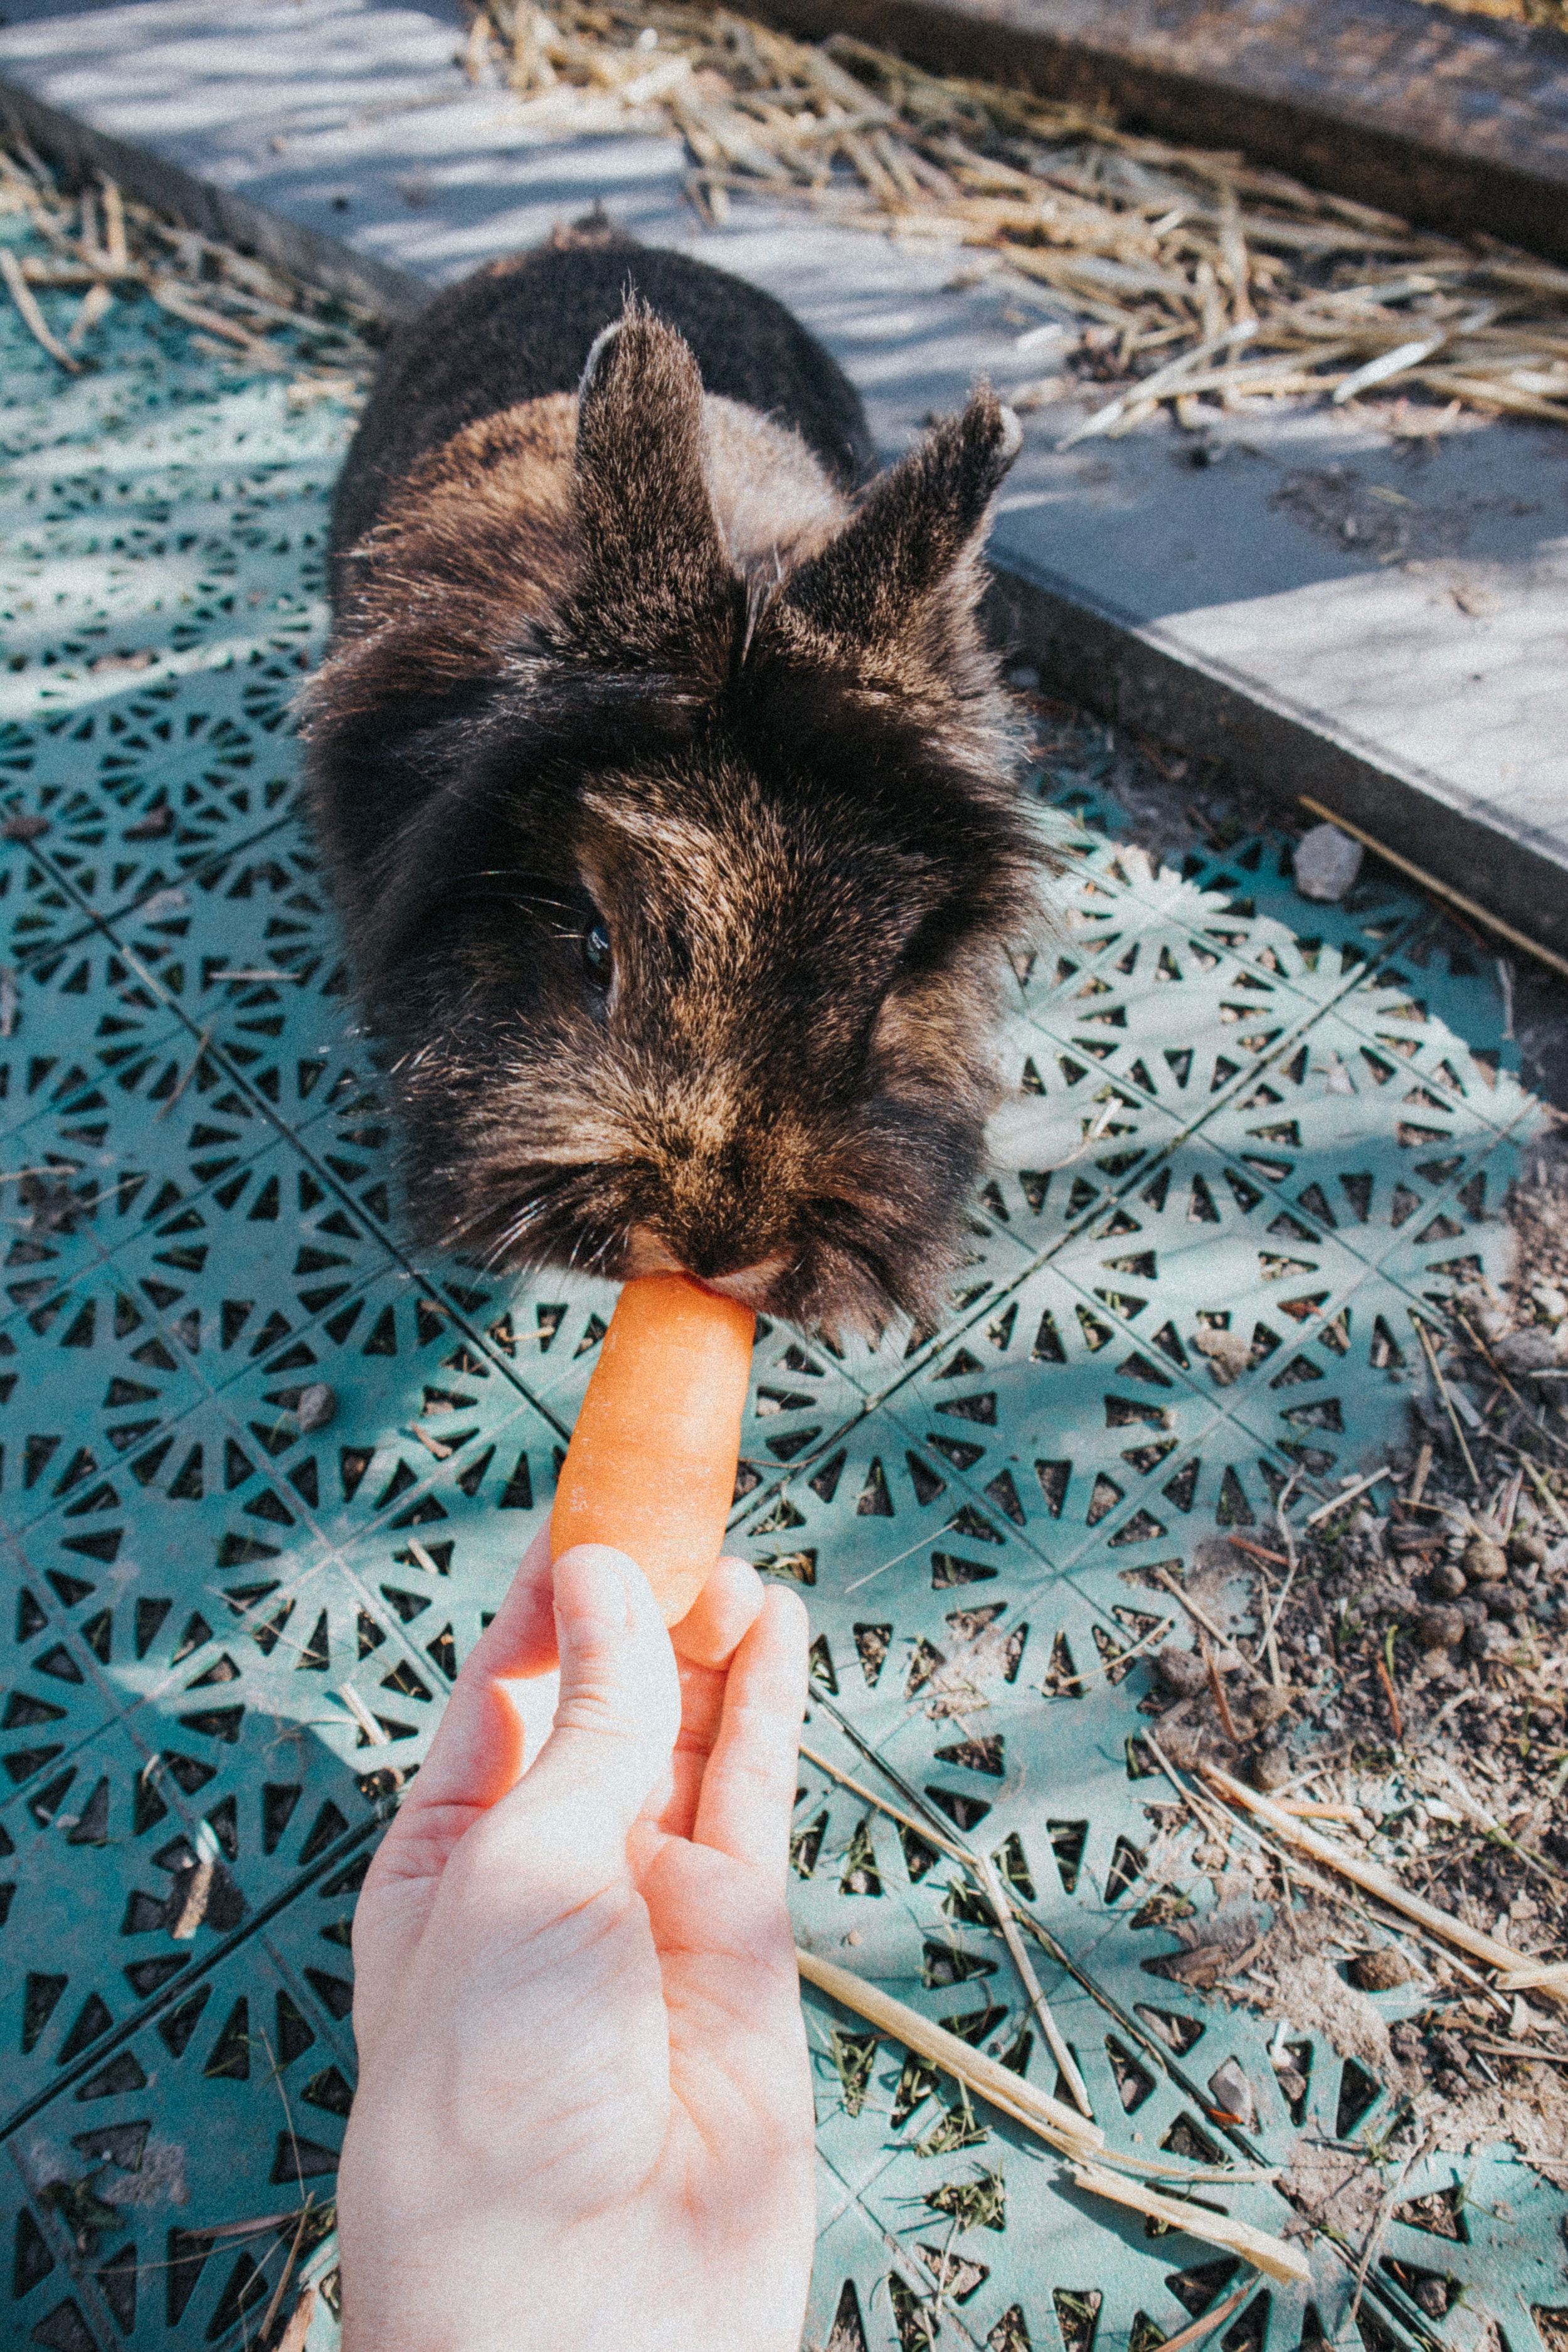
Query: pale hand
{"points": [[584, 2113]]}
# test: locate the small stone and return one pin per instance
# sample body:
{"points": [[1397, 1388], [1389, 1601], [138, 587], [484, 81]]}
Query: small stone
{"points": [[1267, 1707], [1380, 1971], [1485, 1562], [1230, 1353], [1232, 2093], [1327, 862], [1531, 1350], [1292, 2084], [153, 825], [1552, 1302], [1526, 1550], [1447, 1581], [23, 827], [1438, 1629], [318, 1404], [1182, 1744], [1398, 1600], [1473, 1609], [1181, 1671], [1270, 1766], [1492, 1642]]}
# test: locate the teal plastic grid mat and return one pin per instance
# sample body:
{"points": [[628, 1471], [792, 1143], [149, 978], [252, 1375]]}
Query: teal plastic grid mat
{"points": [[1243, 1141]]}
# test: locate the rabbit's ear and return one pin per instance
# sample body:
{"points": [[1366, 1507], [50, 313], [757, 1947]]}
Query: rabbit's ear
{"points": [[911, 538], [655, 589]]}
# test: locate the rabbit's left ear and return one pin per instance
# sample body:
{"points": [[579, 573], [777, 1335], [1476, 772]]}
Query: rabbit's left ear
{"points": [[906, 556], [656, 591]]}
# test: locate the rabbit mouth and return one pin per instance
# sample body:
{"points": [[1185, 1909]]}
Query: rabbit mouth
{"points": [[750, 1285]]}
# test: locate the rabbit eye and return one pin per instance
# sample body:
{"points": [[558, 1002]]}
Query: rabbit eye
{"points": [[598, 956]]}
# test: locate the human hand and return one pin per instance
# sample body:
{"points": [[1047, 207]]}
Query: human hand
{"points": [[584, 2113]]}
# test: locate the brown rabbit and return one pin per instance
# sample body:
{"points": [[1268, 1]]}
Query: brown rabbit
{"points": [[669, 788]]}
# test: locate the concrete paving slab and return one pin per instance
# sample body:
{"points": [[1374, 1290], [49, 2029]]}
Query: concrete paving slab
{"points": [[1343, 611]]}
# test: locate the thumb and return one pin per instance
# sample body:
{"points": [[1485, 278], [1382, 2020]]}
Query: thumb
{"points": [[620, 1706]]}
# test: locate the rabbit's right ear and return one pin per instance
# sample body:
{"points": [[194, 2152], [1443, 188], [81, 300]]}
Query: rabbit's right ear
{"points": [[656, 591]]}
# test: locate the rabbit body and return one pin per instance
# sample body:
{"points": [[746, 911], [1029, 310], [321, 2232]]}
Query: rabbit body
{"points": [[667, 789]]}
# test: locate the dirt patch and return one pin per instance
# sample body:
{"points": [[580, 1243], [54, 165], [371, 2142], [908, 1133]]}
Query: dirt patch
{"points": [[1371, 519], [1174, 802], [1415, 1707], [1333, 2190], [1532, 2112], [1308, 1991]]}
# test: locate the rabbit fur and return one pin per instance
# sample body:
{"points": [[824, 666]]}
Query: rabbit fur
{"points": [[669, 788]]}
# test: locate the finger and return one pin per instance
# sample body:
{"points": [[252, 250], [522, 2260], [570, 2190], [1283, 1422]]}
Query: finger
{"points": [[704, 1641], [748, 1789], [620, 1706], [721, 1616], [479, 1749]]}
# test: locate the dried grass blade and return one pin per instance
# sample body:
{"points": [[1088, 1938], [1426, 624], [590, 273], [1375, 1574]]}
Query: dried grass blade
{"points": [[1200, 2329], [179, 304], [883, 185], [293, 2337], [1398, 361], [115, 245], [1276, 2257], [1488, 393], [33, 319], [1164, 380], [894, 159], [1234, 254], [97, 302], [991, 1879], [1430, 1352], [830, 78], [994, 2082], [476, 49], [374, 1732], [1517, 1966], [1346, 1494], [1269, 376]]}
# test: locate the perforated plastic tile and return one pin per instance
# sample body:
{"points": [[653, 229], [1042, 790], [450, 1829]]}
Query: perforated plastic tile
{"points": [[1228, 1113]]}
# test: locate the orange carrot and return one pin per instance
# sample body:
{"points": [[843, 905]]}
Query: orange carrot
{"points": [[651, 1465]]}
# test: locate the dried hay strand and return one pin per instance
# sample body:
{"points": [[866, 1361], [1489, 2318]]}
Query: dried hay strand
{"points": [[108, 248], [1153, 248], [1057, 2126]]}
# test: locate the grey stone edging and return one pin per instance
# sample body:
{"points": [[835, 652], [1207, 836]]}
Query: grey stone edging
{"points": [[1453, 120]]}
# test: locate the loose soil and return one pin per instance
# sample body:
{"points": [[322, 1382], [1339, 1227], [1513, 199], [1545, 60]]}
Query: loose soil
{"points": [[1445, 1760]]}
